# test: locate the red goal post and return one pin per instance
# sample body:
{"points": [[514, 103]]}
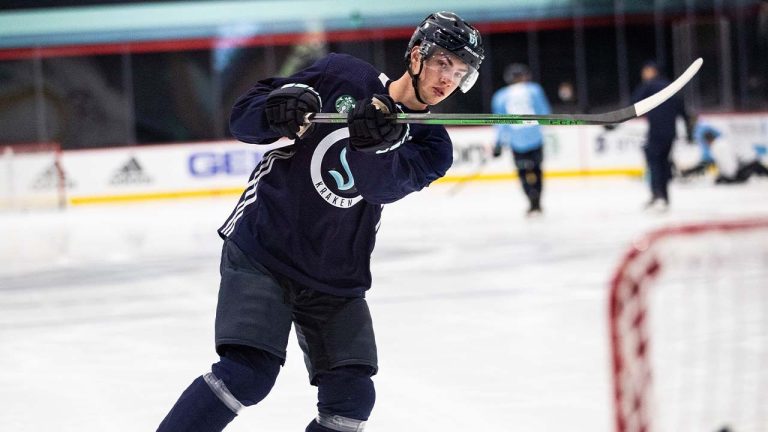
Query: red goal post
{"points": [[688, 323], [31, 176]]}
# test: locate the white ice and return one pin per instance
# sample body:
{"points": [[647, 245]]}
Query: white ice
{"points": [[485, 320]]}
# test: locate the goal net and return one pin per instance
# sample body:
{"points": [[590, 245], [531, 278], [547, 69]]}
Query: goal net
{"points": [[689, 330], [31, 177]]}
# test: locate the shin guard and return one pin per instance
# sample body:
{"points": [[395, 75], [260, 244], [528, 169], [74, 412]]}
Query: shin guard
{"points": [[345, 399], [214, 399]]}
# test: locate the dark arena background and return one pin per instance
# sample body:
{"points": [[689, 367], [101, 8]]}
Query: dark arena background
{"points": [[117, 166]]}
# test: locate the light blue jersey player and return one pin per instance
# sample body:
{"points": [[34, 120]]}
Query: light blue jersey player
{"points": [[522, 96]]}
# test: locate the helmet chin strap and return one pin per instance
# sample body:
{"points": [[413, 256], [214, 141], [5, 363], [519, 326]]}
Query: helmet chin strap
{"points": [[415, 80]]}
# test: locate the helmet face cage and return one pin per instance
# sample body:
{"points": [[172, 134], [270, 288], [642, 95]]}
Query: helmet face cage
{"points": [[447, 30]]}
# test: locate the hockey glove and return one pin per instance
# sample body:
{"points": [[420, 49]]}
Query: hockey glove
{"points": [[369, 128], [286, 107]]}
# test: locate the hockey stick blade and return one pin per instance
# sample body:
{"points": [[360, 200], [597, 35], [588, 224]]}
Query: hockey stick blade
{"points": [[611, 117]]}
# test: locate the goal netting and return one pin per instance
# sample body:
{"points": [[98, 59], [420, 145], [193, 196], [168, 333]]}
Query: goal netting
{"points": [[31, 177], [689, 330]]}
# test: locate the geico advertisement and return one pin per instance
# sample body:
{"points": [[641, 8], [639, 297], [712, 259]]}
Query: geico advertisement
{"points": [[210, 163], [158, 168]]}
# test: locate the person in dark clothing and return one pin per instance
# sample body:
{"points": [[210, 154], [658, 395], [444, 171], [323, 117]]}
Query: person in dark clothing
{"points": [[298, 244], [662, 132]]}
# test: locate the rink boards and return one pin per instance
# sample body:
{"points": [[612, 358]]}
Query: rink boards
{"points": [[217, 168]]}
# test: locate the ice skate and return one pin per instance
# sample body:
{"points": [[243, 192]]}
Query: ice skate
{"points": [[657, 205]]}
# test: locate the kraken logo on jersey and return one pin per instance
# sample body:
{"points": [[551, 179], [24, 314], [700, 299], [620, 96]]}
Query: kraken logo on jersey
{"points": [[331, 151], [338, 177], [345, 103]]}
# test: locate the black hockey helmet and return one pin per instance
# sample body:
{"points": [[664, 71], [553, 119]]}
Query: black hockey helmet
{"points": [[448, 31]]}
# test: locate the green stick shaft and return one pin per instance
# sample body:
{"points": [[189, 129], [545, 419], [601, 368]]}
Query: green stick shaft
{"points": [[472, 119]]}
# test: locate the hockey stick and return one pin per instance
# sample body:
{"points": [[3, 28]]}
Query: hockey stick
{"points": [[611, 117]]}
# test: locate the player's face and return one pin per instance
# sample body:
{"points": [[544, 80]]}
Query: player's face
{"points": [[442, 73], [648, 73]]}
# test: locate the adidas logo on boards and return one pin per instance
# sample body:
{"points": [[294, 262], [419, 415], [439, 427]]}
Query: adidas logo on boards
{"points": [[130, 173], [50, 178]]}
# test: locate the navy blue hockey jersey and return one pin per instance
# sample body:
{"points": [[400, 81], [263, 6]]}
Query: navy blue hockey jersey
{"points": [[311, 210]]}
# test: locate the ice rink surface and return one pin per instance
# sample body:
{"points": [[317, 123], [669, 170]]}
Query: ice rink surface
{"points": [[485, 320]]}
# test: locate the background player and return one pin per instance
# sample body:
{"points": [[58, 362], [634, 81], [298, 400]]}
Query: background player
{"points": [[297, 245], [736, 162], [521, 96]]}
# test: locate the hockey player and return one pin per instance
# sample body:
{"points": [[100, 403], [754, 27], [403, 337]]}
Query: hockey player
{"points": [[661, 134], [297, 246], [735, 162], [522, 96]]}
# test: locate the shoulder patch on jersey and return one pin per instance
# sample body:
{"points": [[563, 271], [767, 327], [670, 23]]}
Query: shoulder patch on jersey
{"points": [[344, 104]]}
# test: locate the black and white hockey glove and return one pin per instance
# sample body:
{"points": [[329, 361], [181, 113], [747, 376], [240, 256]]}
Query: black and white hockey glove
{"points": [[369, 128], [286, 107]]}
